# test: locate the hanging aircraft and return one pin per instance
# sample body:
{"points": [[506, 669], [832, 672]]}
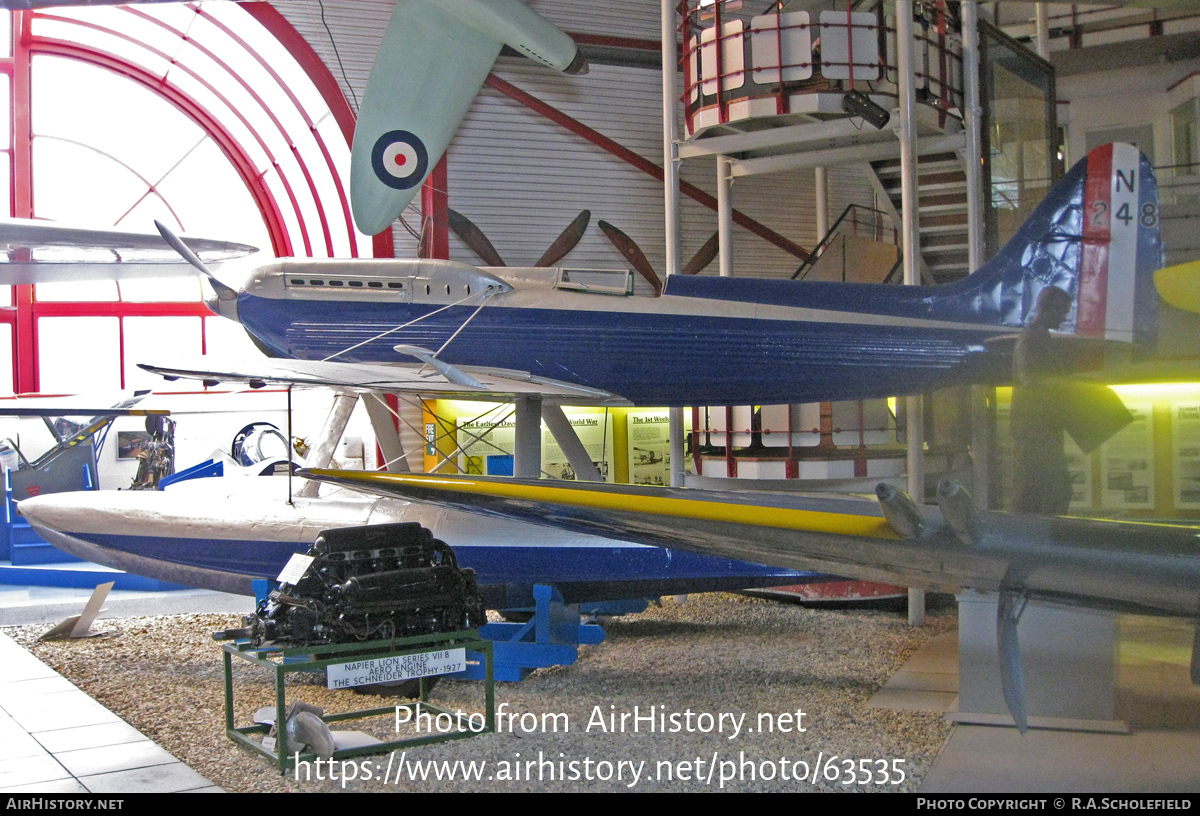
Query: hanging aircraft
{"points": [[48, 252], [1095, 236], [706, 340]]}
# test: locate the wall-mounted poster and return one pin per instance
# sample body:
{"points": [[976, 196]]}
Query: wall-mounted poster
{"points": [[1185, 432], [1079, 465], [595, 431], [488, 447], [650, 446], [1127, 463]]}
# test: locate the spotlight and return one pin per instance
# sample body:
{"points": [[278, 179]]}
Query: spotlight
{"points": [[857, 103]]}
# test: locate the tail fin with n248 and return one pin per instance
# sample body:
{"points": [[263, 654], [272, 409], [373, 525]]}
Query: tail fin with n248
{"points": [[1096, 236]]}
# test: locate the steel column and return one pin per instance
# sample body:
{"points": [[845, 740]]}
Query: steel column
{"points": [[675, 428], [973, 122], [670, 97], [527, 443], [822, 201], [912, 249], [724, 217], [1041, 37]]}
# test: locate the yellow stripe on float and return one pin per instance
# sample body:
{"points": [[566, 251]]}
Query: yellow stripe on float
{"points": [[807, 520]]}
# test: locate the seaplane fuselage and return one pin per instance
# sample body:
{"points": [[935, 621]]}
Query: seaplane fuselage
{"points": [[788, 343], [713, 340]]}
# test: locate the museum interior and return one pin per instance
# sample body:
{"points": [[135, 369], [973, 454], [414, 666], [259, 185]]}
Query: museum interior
{"points": [[499, 411]]}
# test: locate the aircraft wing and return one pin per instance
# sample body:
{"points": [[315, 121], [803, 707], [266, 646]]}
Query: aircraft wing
{"points": [[430, 66], [45, 252], [71, 411], [70, 407], [1101, 564], [493, 384], [1080, 562]]}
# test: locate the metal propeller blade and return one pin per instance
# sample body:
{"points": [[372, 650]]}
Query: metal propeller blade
{"points": [[223, 292], [632, 253], [474, 238], [704, 256], [566, 240]]}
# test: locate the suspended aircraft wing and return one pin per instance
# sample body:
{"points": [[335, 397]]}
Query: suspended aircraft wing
{"points": [[45, 252], [430, 66], [451, 382]]}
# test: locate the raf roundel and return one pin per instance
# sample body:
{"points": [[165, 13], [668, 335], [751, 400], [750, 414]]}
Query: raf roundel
{"points": [[400, 159]]}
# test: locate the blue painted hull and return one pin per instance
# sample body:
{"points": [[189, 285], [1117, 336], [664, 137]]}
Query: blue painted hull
{"points": [[650, 359], [579, 573]]}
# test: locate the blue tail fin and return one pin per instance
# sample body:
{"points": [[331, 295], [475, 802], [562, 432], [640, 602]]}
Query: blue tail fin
{"points": [[1096, 236]]}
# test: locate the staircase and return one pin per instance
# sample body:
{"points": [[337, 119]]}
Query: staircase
{"points": [[942, 199]]}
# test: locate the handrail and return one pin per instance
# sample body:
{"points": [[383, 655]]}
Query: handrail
{"points": [[808, 262]]}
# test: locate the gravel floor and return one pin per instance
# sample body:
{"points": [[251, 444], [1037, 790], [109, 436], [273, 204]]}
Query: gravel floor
{"points": [[713, 655]]}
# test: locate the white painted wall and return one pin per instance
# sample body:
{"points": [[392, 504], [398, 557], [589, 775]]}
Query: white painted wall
{"points": [[522, 179], [1131, 97]]}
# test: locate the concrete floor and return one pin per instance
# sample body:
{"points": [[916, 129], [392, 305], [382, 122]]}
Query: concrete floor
{"points": [[1154, 697], [20, 605], [54, 738]]}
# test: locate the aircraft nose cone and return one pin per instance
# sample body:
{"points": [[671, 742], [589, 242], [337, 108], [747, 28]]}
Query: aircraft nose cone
{"points": [[56, 511], [222, 302]]}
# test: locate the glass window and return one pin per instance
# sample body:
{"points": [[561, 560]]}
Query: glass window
{"points": [[225, 339], [157, 340], [77, 355], [161, 290], [1185, 138], [200, 119], [76, 291], [6, 357]]}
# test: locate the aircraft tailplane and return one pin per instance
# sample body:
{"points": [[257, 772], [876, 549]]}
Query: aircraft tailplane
{"points": [[1096, 236]]}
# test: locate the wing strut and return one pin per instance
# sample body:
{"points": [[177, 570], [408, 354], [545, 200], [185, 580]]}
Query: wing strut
{"points": [[331, 434], [568, 440], [387, 435]]}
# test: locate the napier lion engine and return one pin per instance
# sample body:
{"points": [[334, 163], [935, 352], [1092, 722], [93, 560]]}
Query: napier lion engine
{"points": [[368, 583]]}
